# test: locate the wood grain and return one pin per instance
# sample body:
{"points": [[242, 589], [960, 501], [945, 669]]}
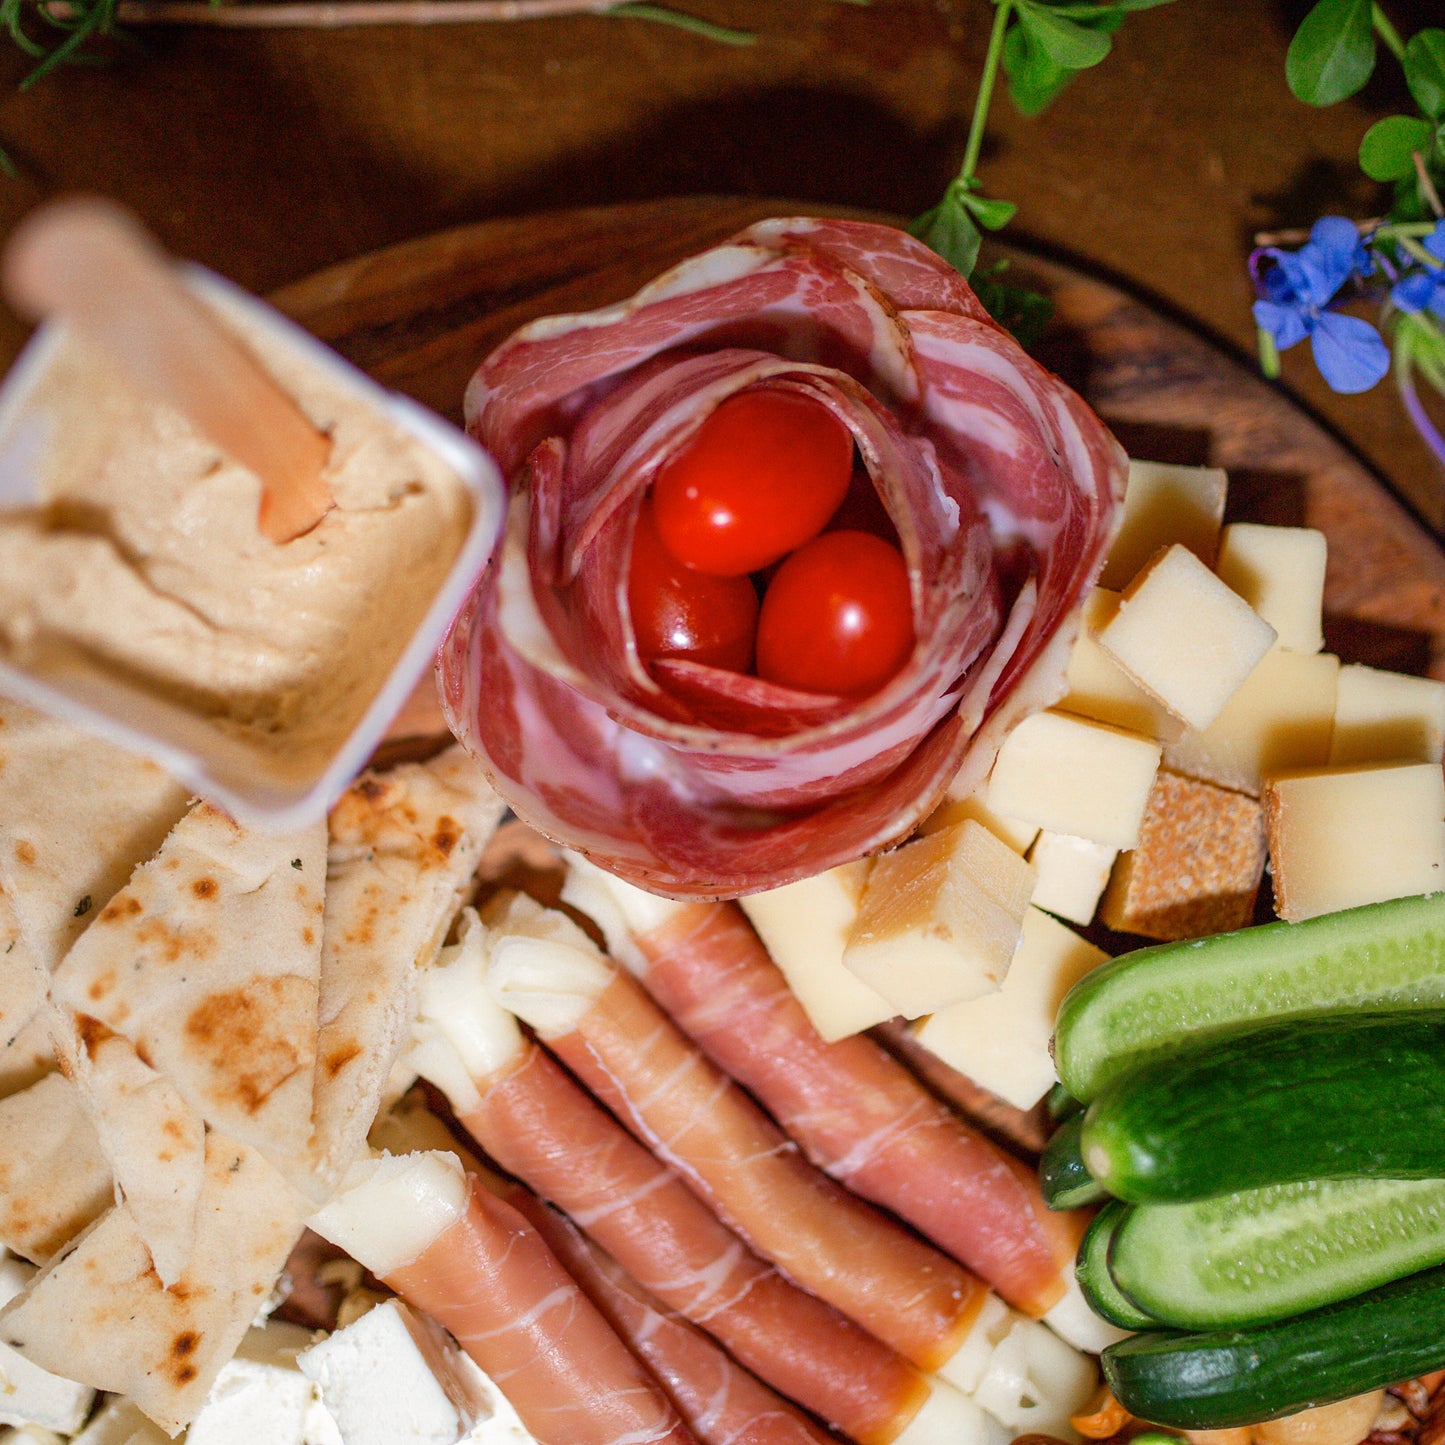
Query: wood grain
{"points": [[419, 317]]}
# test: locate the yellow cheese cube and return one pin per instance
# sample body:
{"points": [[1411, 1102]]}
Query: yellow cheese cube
{"points": [[1166, 504], [952, 811], [1388, 717], [1184, 637], [1072, 874], [1356, 835], [1280, 572], [1001, 1041], [805, 926], [1074, 776], [940, 919], [1281, 718], [1099, 688]]}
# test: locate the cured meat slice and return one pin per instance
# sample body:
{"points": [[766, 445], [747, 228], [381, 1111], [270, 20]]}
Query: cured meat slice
{"points": [[697, 782]]}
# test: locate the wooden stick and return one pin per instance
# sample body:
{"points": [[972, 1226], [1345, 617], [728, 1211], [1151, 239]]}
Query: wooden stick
{"points": [[90, 263], [327, 14]]}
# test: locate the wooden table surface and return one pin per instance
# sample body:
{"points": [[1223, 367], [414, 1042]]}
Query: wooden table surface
{"points": [[268, 155]]}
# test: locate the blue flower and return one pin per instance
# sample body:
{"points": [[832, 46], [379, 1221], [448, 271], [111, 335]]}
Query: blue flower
{"points": [[1295, 296], [1425, 288]]}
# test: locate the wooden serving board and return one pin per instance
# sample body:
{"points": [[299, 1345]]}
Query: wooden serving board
{"points": [[421, 315]]}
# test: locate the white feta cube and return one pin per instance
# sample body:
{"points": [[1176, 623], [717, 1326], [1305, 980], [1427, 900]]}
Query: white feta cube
{"points": [[261, 1397]]}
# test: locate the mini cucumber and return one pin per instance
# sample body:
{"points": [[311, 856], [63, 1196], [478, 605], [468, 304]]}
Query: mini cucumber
{"points": [[1091, 1269], [1221, 1380], [1061, 1104], [1142, 1004], [1265, 1254], [1340, 1097], [1063, 1180]]}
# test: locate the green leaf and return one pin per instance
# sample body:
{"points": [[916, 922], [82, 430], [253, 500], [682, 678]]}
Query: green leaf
{"points": [[1387, 151], [1034, 81], [1090, 13], [1332, 53], [1066, 42], [1020, 310], [949, 230], [990, 214], [1425, 71]]}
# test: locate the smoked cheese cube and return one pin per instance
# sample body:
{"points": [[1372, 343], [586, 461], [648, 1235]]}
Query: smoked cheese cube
{"points": [[1280, 572], [1165, 504], [1387, 717]]}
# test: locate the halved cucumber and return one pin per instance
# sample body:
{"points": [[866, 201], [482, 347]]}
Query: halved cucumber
{"points": [[1219, 1380], [1142, 1004], [1091, 1269], [1349, 1096], [1264, 1254], [1063, 1180]]}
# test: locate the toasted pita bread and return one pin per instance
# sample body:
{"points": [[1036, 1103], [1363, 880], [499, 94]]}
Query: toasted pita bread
{"points": [[98, 1312], [54, 1178], [22, 980], [76, 816], [209, 961], [404, 846], [28, 1057]]}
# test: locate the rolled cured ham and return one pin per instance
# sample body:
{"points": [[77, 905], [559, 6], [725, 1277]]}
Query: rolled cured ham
{"points": [[691, 780], [856, 1111], [455, 1251]]}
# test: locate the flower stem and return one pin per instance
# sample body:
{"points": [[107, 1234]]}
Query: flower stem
{"points": [[971, 153], [1387, 32]]}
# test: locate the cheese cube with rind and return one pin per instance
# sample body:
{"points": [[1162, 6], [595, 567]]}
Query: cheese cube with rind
{"points": [[1070, 775], [1387, 717], [1350, 836], [1185, 638], [1280, 572], [1100, 689], [805, 928], [30, 1395], [1165, 504], [1072, 874], [1001, 1041], [1280, 719]]}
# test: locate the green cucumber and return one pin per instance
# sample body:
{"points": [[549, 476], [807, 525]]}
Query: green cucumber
{"points": [[1220, 1380], [1061, 1104], [1265, 1254], [1143, 1004], [1350, 1096], [1063, 1180], [1091, 1269]]}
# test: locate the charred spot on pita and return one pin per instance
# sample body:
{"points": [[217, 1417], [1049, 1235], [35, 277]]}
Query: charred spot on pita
{"points": [[25, 851], [205, 888]]}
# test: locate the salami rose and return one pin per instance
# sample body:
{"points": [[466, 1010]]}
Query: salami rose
{"points": [[1001, 485]]}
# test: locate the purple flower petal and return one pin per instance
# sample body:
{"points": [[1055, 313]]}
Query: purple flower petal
{"points": [[1348, 351], [1414, 292], [1284, 323], [1434, 243]]}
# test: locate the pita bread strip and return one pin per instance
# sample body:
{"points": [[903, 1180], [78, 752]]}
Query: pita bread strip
{"points": [[22, 979], [27, 1057], [100, 1313], [209, 961], [54, 1177]]}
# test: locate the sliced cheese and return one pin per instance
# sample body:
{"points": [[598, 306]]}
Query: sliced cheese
{"points": [[1165, 504], [1280, 572], [1072, 874], [1387, 717]]}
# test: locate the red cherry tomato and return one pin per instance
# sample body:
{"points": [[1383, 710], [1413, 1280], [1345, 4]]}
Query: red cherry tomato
{"points": [[762, 475], [837, 617], [677, 612]]}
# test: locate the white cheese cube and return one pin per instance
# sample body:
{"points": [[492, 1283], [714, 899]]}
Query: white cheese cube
{"points": [[32, 1435], [1280, 719], [1185, 638], [1073, 1319], [1001, 1040], [1358, 835], [952, 811], [394, 1378], [119, 1422], [1072, 874], [1100, 689], [261, 1395], [1070, 775], [805, 927], [1387, 717], [940, 919], [28, 1394], [1280, 572], [1166, 504]]}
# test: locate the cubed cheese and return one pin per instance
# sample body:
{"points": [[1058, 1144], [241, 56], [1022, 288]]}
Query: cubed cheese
{"points": [[1185, 638], [115, 1423], [1001, 1041], [261, 1395], [1100, 689], [1074, 776], [1166, 504], [1357, 835], [1072, 874], [1387, 717], [28, 1394], [1281, 718], [805, 927], [1198, 865], [1280, 572], [1017, 834], [940, 919]]}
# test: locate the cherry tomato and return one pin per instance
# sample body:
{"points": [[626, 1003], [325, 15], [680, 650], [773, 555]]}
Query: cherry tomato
{"points": [[677, 612], [762, 476], [837, 617]]}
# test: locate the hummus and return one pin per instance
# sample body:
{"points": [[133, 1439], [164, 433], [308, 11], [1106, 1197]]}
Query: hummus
{"points": [[139, 569]]}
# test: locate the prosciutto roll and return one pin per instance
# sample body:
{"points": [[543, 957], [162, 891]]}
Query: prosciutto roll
{"points": [[695, 781]]}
